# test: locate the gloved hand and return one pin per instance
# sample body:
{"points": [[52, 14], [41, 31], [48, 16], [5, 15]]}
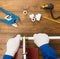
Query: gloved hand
{"points": [[13, 45], [41, 39]]}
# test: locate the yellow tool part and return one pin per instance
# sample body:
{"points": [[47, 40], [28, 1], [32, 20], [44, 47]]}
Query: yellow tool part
{"points": [[51, 20]]}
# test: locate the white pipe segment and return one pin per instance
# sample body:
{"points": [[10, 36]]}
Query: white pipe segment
{"points": [[31, 38], [50, 37], [24, 48]]}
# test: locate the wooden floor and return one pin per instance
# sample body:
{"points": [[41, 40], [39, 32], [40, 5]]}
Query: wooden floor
{"points": [[25, 26]]}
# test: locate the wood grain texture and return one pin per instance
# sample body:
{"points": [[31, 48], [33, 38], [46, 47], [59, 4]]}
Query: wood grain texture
{"points": [[25, 26]]}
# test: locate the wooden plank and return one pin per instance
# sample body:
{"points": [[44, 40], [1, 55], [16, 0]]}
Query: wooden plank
{"points": [[29, 5]]}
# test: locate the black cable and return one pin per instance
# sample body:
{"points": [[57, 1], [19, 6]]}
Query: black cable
{"points": [[51, 11]]}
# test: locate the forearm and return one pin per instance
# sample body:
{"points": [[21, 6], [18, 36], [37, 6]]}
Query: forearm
{"points": [[48, 52], [7, 57]]}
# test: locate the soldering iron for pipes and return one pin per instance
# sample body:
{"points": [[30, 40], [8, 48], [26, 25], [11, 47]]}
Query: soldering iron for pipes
{"points": [[50, 7]]}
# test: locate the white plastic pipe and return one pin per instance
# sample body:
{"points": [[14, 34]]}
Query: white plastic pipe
{"points": [[24, 48], [50, 37], [31, 38]]}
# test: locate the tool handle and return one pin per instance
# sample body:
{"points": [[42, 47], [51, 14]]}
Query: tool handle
{"points": [[5, 11]]}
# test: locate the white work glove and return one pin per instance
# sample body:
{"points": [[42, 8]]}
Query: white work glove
{"points": [[41, 39], [13, 45]]}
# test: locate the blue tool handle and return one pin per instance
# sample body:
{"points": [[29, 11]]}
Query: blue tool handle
{"points": [[6, 12], [13, 17], [7, 22]]}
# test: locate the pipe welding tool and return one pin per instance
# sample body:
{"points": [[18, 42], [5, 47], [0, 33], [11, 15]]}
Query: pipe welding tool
{"points": [[10, 19], [50, 7]]}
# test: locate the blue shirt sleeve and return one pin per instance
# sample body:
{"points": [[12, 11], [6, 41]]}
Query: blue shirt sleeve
{"points": [[48, 52], [7, 57]]}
